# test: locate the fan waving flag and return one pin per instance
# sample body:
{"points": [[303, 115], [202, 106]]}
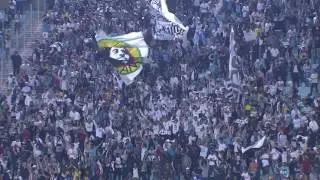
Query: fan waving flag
{"points": [[125, 53], [167, 26]]}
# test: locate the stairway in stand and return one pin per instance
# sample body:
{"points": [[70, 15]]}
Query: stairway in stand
{"points": [[31, 34], [31, 31]]}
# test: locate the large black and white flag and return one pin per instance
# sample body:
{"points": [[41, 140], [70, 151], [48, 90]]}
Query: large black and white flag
{"points": [[256, 145], [168, 30], [168, 26], [232, 90], [234, 70]]}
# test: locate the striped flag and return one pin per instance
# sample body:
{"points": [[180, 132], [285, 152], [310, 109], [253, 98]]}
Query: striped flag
{"points": [[232, 90], [234, 68], [234, 72]]}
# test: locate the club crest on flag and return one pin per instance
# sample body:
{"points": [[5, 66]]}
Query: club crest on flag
{"points": [[124, 52], [125, 58]]}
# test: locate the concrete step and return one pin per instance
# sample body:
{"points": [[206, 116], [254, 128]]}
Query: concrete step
{"points": [[31, 33], [31, 30]]}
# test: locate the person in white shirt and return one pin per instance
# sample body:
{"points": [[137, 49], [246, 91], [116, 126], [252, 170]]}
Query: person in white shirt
{"points": [[265, 163], [246, 176], [284, 156], [73, 152], [314, 82], [245, 11], [297, 122], [174, 81], [296, 74], [74, 115], [282, 139], [99, 133], [313, 125], [135, 173], [64, 84], [27, 100], [275, 154], [212, 162]]}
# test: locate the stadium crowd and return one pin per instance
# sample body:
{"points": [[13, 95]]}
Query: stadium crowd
{"points": [[66, 114]]}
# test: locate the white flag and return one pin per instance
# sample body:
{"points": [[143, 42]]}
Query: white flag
{"points": [[56, 46], [256, 145], [125, 53]]}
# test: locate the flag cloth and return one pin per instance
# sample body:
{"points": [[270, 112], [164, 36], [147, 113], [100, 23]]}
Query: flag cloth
{"points": [[165, 30], [125, 53], [234, 71], [167, 26], [56, 46], [256, 145]]}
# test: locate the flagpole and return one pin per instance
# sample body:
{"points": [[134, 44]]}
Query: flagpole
{"points": [[38, 12]]}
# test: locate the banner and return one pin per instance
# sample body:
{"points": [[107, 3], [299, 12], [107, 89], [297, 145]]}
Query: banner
{"points": [[125, 53], [168, 26], [256, 145], [167, 31]]}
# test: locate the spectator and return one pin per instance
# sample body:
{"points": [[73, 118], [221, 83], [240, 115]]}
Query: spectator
{"points": [[16, 63]]}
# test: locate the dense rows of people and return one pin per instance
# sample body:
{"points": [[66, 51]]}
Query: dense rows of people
{"points": [[67, 115]]}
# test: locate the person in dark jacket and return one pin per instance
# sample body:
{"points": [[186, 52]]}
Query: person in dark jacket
{"points": [[16, 62]]}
